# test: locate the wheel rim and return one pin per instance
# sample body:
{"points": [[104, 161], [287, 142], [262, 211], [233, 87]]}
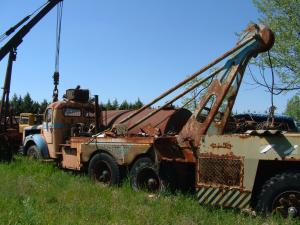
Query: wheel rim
{"points": [[32, 155], [102, 173], [287, 204], [148, 179]]}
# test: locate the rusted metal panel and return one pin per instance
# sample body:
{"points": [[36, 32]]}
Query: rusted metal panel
{"points": [[137, 140], [124, 150], [71, 158], [164, 122], [250, 149], [59, 129], [220, 171], [167, 149]]}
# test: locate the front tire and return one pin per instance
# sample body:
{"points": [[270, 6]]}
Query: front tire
{"points": [[104, 169], [281, 195], [34, 153]]}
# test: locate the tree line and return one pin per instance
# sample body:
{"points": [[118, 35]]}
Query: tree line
{"points": [[25, 104], [125, 105]]}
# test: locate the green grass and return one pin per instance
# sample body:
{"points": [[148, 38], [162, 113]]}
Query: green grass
{"points": [[39, 193]]}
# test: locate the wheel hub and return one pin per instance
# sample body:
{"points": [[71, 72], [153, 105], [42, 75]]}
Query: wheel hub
{"points": [[148, 179], [104, 176], [152, 183], [287, 204], [103, 173], [292, 211]]}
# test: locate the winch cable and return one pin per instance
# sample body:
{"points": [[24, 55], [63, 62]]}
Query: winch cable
{"points": [[15, 27], [57, 51], [272, 107]]}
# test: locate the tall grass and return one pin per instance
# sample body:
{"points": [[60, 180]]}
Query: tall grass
{"points": [[37, 193]]}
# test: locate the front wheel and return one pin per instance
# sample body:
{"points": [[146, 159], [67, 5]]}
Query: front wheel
{"points": [[143, 175], [34, 153], [104, 169], [281, 195]]}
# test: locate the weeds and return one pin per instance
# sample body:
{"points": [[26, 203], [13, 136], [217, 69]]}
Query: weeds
{"points": [[36, 193]]}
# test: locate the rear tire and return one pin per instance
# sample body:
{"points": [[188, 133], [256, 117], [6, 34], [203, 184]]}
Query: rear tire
{"points": [[144, 176], [281, 195], [34, 153], [104, 169]]}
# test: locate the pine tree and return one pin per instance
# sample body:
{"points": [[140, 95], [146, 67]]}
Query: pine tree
{"points": [[108, 105], [115, 104], [43, 106], [27, 106], [16, 104], [138, 104], [124, 105]]}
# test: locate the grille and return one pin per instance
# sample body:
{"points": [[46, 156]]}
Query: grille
{"points": [[220, 171]]}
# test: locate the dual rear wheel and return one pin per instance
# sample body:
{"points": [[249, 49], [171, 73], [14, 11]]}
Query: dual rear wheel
{"points": [[103, 168], [144, 175]]}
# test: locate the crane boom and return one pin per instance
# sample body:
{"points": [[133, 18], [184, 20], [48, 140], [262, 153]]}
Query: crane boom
{"points": [[10, 48], [17, 39]]}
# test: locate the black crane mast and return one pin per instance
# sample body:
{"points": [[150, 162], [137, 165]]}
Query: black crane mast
{"points": [[10, 48]]}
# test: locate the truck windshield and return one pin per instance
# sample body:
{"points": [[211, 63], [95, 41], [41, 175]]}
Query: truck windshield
{"points": [[24, 120], [72, 112]]}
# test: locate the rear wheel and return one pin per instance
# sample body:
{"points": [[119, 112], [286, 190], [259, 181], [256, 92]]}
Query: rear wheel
{"points": [[281, 195], [143, 175], [103, 168], [34, 153]]}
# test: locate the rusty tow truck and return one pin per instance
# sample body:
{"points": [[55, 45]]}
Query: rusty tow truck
{"points": [[257, 169]]}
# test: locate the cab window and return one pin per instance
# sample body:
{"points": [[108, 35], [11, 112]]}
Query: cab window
{"points": [[72, 112], [48, 116], [24, 120]]}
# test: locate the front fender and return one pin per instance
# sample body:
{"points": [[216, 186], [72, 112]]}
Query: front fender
{"points": [[39, 141]]}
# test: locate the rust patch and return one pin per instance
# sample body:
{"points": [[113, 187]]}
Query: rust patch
{"points": [[168, 149], [223, 145], [220, 170]]}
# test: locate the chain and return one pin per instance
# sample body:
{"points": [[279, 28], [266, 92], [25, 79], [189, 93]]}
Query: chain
{"points": [[58, 33]]}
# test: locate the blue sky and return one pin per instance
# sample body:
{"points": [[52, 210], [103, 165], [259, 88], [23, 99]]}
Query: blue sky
{"points": [[128, 49]]}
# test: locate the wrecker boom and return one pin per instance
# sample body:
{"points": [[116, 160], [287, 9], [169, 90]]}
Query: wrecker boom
{"points": [[10, 48], [17, 38]]}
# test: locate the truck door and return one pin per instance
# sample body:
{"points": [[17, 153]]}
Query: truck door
{"points": [[48, 126]]}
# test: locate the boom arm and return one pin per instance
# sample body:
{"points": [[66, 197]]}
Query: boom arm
{"points": [[17, 39], [211, 116], [256, 39], [10, 48]]}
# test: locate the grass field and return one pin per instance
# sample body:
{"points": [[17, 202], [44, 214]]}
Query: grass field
{"points": [[39, 193]]}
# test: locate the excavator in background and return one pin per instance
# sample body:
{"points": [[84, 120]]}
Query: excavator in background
{"points": [[256, 169], [9, 134]]}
